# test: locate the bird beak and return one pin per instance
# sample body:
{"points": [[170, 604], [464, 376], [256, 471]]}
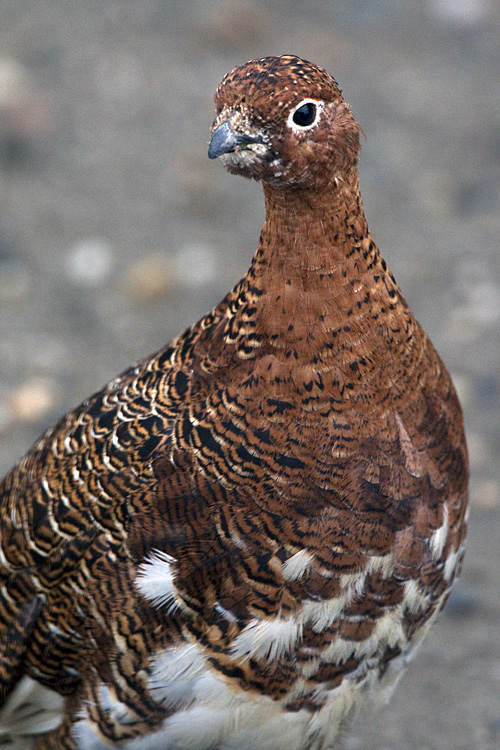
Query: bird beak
{"points": [[224, 140]]}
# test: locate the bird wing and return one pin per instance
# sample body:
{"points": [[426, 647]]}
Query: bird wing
{"points": [[65, 509]]}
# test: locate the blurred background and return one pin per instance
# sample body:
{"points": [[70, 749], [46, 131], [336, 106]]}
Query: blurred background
{"points": [[116, 231]]}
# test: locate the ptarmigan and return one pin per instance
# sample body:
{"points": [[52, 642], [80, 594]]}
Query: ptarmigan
{"points": [[244, 537]]}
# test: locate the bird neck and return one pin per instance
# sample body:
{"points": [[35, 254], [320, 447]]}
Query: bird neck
{"points": [[316, 269], [318, 305], [308, 234]]}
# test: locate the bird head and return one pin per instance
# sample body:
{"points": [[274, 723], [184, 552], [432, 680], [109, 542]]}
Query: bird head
{"points": [[282, 120]]}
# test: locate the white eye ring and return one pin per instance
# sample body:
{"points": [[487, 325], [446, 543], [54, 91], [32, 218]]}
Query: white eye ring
{"points": [[317, 107]]}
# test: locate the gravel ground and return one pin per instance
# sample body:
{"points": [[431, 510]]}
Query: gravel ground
{"points": [[116, 232]]}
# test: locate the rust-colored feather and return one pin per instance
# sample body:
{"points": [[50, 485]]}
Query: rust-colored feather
{"points": [[245, 536]]}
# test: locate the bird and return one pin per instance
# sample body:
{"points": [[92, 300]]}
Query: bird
{"points": [[241, 541]]}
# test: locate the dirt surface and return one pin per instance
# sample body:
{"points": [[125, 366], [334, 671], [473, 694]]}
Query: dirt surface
{"points": [[116, 231]]}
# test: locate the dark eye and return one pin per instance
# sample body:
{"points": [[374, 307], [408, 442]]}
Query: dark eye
{"points": [[305, 115]]}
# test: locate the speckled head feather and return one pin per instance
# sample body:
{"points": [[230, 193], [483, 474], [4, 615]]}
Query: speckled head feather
{"points": [[259, 101], [273, 75]]}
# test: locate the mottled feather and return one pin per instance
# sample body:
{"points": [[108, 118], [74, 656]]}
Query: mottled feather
{"points": [[243, 538]]}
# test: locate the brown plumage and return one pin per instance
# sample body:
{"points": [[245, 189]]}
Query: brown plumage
{"points": [[245, 536]]}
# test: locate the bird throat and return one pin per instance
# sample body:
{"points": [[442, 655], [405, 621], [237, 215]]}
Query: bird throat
{"points": [[314, 265], [318, 301]]}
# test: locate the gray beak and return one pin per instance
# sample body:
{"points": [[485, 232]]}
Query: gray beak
{"points": [[224, 140]]}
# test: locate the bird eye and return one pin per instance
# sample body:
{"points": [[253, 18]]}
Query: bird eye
{"points": [[305, 115]]}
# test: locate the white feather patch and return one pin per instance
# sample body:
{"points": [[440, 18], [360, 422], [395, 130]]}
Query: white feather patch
{"points": [[389, 628], [174, 673], [354, 581], [321, 614], [225, 612], [415, 599], [382, 563], [438, 538], [296, 565], [30, 710], [451, 563], [155, 580], [268, 639]]}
